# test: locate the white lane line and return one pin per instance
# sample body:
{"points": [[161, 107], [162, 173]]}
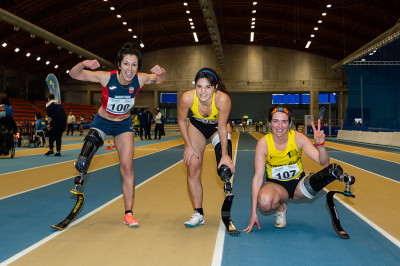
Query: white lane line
{"points": [[368, 221], [57, 233], [219, 243], [49, 184]]}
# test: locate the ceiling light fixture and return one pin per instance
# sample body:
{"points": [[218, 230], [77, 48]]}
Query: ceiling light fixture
{"points": [[28, 54], [195, 37], [16, 50], [4, 44], [252, 36], [38, 58], [308, 44], [56, 66]]}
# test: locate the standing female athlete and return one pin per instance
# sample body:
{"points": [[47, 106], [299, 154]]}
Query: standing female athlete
{"points": [[210, 106], [119, 89]]}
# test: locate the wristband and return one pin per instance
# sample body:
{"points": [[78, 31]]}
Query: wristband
{"points": [[321, 144]]}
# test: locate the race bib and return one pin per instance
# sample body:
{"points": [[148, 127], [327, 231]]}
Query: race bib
{"points": [[285, 172], [120, 106]]}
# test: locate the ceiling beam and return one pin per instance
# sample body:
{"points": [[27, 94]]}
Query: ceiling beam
{"points": [[48, 36], [212, 26], [383, 39]]}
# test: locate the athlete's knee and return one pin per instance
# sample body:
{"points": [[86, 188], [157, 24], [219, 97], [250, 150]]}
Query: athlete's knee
{"points": [[92, 142], [265, 202], [314, 183]]}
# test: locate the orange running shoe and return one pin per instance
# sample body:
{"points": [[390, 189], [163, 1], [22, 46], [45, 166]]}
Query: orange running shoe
{"points": [[129, 219]]}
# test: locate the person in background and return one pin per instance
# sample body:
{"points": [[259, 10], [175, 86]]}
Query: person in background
{"points": [[58, 121], [142, 123], [71, 122], [149, 120], [40, 126], [8, 128], [81, 124], [6, 103], [159, 124], [136, 124]]}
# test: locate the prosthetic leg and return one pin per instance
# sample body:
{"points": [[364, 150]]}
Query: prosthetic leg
{"points": [[314, 183], [225, 173], [93, 141], [348, 180]]}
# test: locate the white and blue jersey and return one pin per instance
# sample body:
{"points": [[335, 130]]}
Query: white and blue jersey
{"points": [[118, 99]]}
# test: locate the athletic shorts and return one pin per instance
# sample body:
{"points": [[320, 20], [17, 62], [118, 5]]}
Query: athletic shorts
{"points": [[290, 185], [112, 128], [206, 129]]}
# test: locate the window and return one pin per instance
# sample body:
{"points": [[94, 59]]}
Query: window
{"points": [[324, 98], [168, 98]]}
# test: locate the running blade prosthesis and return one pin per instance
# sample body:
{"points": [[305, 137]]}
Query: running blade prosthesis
{"points": [[76, 209], [348, 180], [226, 210]]}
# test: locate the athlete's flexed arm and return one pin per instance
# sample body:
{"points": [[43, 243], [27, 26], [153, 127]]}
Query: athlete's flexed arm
{"points": [[78, 72], [259, 164], [158, 75]]}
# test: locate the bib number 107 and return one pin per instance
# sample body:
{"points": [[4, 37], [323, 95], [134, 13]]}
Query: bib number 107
{"points": [[285, 172]]}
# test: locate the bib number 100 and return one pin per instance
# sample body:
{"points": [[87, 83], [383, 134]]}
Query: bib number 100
{"points": [[119, 107]]}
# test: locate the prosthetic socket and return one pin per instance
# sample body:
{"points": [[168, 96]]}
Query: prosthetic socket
{"points": [[314, 183], [93, 141], [224, 171]]}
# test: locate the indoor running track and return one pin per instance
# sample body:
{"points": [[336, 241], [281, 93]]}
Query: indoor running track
{"points": [[34, 194]]}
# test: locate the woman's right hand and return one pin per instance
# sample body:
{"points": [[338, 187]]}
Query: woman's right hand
{"points": [[253, 220], [92, 64], [188, 152]]}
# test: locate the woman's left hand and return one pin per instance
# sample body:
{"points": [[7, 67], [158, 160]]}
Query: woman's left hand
{"points": [[319, 135], [226, 160], [158, 70]]}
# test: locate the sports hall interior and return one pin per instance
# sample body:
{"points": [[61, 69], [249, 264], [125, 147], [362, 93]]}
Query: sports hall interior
{"points": [[347, 73]]}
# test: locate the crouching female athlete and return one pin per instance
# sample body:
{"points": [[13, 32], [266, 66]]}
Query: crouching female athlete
{"points": [[119, 89], [210, 106], [279, 154]]}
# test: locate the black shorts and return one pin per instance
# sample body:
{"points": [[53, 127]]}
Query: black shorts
{"points": [[290, 185], [206, 129]]}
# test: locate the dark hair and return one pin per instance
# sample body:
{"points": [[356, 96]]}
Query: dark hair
{"points": [[212, 77], [38, 116], [271, 111], [51, 96], [127, 48]]}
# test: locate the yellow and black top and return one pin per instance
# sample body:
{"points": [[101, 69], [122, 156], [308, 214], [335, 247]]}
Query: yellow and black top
{"points": [[283, 165], [212, 119]]}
